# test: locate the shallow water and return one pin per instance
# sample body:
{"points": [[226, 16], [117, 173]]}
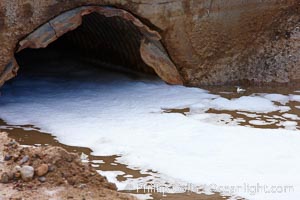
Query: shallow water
{"points": [[30, 135], [136, 125]]}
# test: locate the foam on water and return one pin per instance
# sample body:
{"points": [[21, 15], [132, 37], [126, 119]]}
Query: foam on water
{"points": [[114, 114]]}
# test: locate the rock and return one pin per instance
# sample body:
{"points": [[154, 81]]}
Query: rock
{"points": [[42, 179], [27, 173], [12, 143], [17, 168], [4, 178], [17, 175], [42, 170], [24, 160], [51, 168], [7, 157], [82, 186]]}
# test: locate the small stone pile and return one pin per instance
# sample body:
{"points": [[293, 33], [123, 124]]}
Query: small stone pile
{"points": [[48, 172], [31, 166], [23, 171]]}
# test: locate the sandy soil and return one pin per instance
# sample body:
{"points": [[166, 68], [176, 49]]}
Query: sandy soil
{"points": [[66, 178]]}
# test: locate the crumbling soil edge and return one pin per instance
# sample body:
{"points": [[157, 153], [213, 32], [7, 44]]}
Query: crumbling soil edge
{"points": [[58, 174]]}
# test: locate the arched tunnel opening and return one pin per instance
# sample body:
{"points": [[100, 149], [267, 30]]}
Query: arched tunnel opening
{"points": [[102, 37], [110, 43]]}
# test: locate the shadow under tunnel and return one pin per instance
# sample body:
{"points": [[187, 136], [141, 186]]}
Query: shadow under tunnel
{"points": [[111, 43]]}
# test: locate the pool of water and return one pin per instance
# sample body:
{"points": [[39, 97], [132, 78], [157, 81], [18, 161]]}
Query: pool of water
{"points": [[142, 133], [31, 135]]}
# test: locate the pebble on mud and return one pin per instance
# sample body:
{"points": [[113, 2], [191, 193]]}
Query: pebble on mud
{"points": [[42, 170], [52, 168], [27, 173], [42, 179], [4, 178], [17, 168], [17, 175], [16, 172], [7, 157], [24, 160]]}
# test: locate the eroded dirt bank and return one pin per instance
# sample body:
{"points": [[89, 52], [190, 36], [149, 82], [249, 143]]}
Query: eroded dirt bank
{"points": [[49, 173]]}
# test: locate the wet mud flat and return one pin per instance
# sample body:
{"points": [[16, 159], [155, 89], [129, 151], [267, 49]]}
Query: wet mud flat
{"points": [[149, 133], [29, 135], [266, 120], [49, 172]]}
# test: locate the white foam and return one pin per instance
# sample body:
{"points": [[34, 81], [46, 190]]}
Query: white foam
{"points": [[116, 115], [291, 125], [295, 98], [246, 103], [98, 161], [250, 115], [283, 99], [278, 117], [291, 116], [260, 122], [112, 177], [143, 196]]}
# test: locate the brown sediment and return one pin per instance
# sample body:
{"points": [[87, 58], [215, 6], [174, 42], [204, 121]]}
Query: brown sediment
{"points": [[66, 176]]}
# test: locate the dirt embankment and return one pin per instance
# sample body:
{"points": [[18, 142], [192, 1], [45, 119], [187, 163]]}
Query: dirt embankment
{"points": [[49, 173]]}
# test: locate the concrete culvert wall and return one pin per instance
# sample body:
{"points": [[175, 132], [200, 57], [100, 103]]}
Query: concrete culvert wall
{"points": [[106, 36]]}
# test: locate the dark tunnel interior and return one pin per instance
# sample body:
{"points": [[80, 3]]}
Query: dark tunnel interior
{"points": [[108, 42]]}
